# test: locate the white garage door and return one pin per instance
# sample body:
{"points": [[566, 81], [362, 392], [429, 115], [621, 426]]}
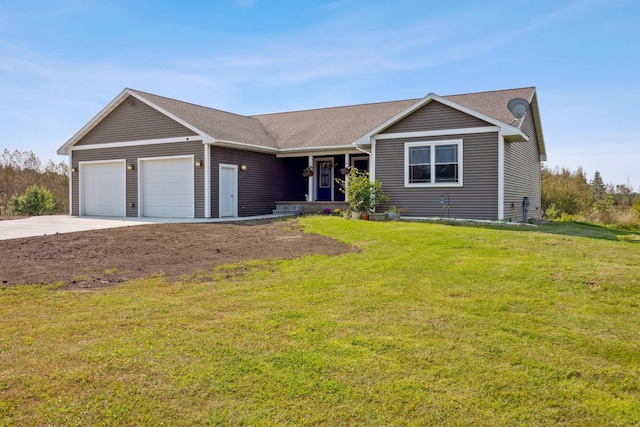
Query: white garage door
{"points": [[102, 188], [166, 188]]}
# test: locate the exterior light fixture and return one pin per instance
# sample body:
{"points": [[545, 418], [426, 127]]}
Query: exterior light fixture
{"points": [[243, 167], [199, 163], [74, 169], [131, 166]]}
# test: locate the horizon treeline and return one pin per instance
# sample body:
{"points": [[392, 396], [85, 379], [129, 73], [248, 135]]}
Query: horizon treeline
{"points": [[572, 196]]}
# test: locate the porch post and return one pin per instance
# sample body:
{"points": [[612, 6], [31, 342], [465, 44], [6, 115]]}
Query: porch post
{"points": [[311, 181], [347, 163]]}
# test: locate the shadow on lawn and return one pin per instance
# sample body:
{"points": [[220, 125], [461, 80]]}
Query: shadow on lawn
{"points": [[565, 228]]}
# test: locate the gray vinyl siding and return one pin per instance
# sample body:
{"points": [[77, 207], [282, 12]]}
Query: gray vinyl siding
{"points": [[476, 199], [134, 122], [265, 181], [435, 116], [522, 175], [131, 155]]}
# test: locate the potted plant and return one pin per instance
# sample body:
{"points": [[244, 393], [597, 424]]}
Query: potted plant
{"points": [[329, 164], [308, 171], [394, 213], [363, 194]]}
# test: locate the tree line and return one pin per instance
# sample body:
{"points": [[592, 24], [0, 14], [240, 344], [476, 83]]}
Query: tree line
{"points": [[571, 195], [22, 170]]}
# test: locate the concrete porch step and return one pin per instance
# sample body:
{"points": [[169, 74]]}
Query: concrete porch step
{"points": [[288, 209]]}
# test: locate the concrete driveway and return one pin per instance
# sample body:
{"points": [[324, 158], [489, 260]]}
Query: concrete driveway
{"points": [[58, 224]]}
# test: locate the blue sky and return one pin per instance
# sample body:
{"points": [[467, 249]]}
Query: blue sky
{"points": [[62, 61]]}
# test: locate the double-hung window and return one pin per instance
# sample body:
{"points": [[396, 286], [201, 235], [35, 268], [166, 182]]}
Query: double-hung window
{"points": [[435, 163]]}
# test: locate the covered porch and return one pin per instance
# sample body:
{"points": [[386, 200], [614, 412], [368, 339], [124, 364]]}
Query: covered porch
{"points": [[312, 179]]}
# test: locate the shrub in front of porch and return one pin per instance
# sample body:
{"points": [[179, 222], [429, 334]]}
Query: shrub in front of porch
{"points": [[363, 194]]}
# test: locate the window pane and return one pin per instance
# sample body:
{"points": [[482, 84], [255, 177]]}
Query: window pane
{"points": [[420, 174], [447, 173], [419, 155], [447, 154], [325, 176]]}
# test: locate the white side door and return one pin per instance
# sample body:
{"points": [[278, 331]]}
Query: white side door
{"points": [[228, 193]]}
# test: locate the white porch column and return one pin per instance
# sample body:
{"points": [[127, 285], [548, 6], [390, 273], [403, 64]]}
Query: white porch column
{"points": [[311, 181], [347, 163], [207, 180]]}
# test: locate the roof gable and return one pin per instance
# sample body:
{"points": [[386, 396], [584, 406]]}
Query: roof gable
{"points": [[506, 129], [325, 128], [133, 121], [435, 116], [219, 125]]}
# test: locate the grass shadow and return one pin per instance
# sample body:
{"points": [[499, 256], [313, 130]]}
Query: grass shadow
{"points": [[564, 228]]}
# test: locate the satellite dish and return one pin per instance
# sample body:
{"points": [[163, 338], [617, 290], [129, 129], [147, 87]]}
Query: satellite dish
{"points": [[518, 107]]}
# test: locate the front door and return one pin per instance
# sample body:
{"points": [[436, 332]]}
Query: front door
{"points": [[228, 191], [324, 179]]}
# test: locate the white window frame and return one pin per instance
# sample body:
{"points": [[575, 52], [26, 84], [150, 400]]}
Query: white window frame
{"points": [[432, 144]]}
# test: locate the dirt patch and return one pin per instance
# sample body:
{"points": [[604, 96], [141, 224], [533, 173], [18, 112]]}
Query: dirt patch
{"points": [[97, 259]]}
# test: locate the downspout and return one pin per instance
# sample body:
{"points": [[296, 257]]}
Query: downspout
{"points": [[371, 163]]}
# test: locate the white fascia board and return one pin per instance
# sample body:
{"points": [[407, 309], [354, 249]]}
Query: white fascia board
{"points": [[443, 132], [506, 128], [65, 149], [242, 146], [136, 143], [538, 125], [317, 151]]}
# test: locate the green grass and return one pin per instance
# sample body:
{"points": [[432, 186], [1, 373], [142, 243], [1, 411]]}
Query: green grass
{"points": [[430, 324]]}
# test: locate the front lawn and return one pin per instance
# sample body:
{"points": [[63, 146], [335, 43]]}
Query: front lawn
{"points": [[430, 324]]}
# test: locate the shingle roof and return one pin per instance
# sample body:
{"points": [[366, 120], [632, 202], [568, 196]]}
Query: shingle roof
{"points": [[337, 126], [494, 103], [219, 124], [324, 127]]}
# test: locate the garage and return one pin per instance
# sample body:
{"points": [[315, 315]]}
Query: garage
{"points": [[167, 187], [102, 188]]}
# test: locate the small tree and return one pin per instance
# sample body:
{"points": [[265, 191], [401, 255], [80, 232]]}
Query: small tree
{"points": [[363, 194], [35, 200]]}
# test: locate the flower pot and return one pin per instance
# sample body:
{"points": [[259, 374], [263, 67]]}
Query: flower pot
{"points": [[393, 216], [356, 215], [346, 215], [365, 216], [377, 216]]}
